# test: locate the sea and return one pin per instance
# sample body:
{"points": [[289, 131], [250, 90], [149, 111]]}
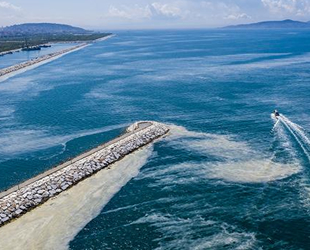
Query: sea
{"points": [[228, 175]]}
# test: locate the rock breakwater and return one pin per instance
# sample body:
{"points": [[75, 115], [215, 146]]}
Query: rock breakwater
{"points": [[40, 59], [28, 196]]}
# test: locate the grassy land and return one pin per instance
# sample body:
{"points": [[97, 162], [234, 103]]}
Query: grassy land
{"points": [[17, 42]]}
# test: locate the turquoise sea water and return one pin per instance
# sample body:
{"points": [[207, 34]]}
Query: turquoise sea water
{"points": [[224, 179]]}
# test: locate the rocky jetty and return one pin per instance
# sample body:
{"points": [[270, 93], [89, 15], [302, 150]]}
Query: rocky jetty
{"points": [[31, 62], [28, 196]]}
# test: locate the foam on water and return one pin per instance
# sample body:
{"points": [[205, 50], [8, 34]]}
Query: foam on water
{"points": [[298, 133], [260, 170], [6, 112], [255, 171], [301, 137], [282, 137], [22, 141], [238, 161], [54, 224], [218, 145], [178, 231]]}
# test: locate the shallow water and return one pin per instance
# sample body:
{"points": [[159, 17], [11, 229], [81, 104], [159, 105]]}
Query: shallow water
{"points": [[224, 178]]}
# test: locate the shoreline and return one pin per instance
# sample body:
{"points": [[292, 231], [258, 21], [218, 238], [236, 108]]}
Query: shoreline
{"points": [[5, 52], [26, 196], [13, 70]]}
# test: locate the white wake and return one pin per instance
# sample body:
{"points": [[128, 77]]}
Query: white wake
{"points": [[298, 133]]}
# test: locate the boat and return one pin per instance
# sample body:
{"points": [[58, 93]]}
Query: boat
{"points": [[31, 48], [276, 114], [45, 46]]}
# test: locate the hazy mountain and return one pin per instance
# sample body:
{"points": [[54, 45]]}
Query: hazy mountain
{"points": [[285, 24], [41, 28]]}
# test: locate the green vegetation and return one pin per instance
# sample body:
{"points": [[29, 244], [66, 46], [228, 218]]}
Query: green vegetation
{"points": [[11, 42]]}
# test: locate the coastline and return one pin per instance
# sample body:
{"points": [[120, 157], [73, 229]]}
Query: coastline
{"points": [[26, 196], [11, 71]]}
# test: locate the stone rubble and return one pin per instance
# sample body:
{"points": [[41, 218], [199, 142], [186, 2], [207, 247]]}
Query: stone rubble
{"points": [[23, 200]]}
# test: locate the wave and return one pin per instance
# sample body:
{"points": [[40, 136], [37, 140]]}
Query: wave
{"points": [[60, 219]]}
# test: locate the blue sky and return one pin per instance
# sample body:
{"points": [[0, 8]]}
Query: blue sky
{"points": [[151, 14]]}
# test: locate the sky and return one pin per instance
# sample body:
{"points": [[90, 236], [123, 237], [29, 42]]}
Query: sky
{"points": [[151, 14]]}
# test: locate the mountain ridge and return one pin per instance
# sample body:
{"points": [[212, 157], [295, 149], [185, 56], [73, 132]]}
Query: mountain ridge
{"points": [[283, 24], [42, 28]]}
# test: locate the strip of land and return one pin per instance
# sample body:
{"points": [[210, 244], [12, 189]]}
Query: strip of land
{"points": [[40, 59], [25, 197], [18, 68], [13, 43]]}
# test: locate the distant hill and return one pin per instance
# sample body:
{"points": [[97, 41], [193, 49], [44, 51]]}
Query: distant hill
{"points": [[41, 28], [35, 34], [285, 24]]}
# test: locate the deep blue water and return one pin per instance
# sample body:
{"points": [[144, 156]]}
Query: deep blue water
{"points": [[224, 180], [22, 56]]}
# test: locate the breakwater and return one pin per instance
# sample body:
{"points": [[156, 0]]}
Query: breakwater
{"points": [[20, 66], [26, 196]]}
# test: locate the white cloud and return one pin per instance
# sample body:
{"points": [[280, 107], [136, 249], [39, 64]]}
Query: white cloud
{"points": [[168, 10], [238, 16], [147, 11], [222, 11], [134, 13], [9, 6], [193, 12], [296, 7]]}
